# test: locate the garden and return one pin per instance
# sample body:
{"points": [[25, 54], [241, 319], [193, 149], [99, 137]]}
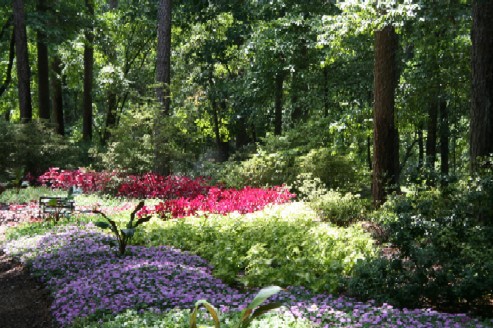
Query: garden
{"points": [[188, 244]]}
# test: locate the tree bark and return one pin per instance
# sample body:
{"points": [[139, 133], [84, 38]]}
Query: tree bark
{"points": [[22, 62], [421, 148], [43, 69], [385, 135], [87, 115], [163, 62], [278, 103], [112, 104], [57, 97], [444, 138], [481, 124], [431, 138], [8, 75]]}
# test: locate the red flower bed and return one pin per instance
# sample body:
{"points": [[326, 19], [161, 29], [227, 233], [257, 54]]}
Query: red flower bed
{"points": [[88, 181], [156, 186], [223, 201]]}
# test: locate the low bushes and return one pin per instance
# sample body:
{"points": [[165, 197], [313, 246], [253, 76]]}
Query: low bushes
{"points": [[281, 246], [443, 254]]}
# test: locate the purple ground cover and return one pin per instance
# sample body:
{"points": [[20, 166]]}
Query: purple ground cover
{"points": [[87, 278]]}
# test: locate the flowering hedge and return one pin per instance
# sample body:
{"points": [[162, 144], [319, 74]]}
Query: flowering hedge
{"points": [[88, 181], [156, 186], [224, 201]]}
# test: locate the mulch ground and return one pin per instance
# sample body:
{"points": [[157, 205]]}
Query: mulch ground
{"points": [[24, 302]]}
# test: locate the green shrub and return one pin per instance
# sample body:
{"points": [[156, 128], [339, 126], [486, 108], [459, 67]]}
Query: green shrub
{"points": [[282, 246], [340, 209], [443, 249], [34, 147], [29, 194]]}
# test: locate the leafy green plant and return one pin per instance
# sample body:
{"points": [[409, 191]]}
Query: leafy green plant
{"points": [[252, 311], [339, 209], [123, 236]]}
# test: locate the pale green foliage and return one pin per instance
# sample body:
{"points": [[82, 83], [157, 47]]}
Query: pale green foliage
{"points": [[283, 245], [180, 319], [340, 209], [131, 144]]}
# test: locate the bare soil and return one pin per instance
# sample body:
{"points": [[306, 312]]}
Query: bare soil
{"points": [[24, 302]]}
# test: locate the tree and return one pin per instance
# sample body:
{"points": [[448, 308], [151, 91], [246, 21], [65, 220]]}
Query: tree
{"points": [[481, 126], [57, 98], [163, 60], [385, 135], [8, 75], [43, 67], [87, 115], [23, 68]]}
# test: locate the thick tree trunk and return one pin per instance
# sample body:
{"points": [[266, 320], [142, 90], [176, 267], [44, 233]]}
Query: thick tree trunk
{"points": [[23, 68], [278, 103], [43, 69], [385, 135], [88, 76], [481, 126], [8, 75], [444, 138], [431, 138], [163, 61], [57, 97]]}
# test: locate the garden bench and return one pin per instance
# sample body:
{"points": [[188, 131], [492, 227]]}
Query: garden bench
{"points": [[56, 206]]}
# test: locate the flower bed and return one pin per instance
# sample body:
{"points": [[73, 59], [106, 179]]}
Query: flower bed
{"points": [[89, 280]]}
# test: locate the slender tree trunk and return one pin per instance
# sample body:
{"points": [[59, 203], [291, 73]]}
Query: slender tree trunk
{"points": [[8, 75], [23, 68], [57, 97], [431, 139], [444, 138], [481, 126], [421, 148], [43, 69], [242, 138], [278, 103], [163, 63], [88, 77], [298, 86], [326, 91], [385, 135], [112, 108]]}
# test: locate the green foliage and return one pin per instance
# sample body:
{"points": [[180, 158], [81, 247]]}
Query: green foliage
{"points": [[340, 209], [29, 194], [245, 318], [34, 147], [181, 319], [283, 246], [442, 253], [36, 228], [123, 236]]}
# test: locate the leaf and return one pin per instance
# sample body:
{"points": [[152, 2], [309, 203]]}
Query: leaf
{"points": [[265, 308], [262, 295], [210, 309], [143, 220], [102, 225], [138, 208], [128, 232]]}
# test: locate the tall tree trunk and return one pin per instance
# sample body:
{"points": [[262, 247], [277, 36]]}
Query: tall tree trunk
{"points": [[278, 103], [421, 148], [22, 62], [57, 97], [112, 103], [88, 76], [8, 75], [385, 135], [481, 126], [444, 138], [298, 86], [325, 89], [43, 69], [242, 138], [163, 62], [431, 139]]}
